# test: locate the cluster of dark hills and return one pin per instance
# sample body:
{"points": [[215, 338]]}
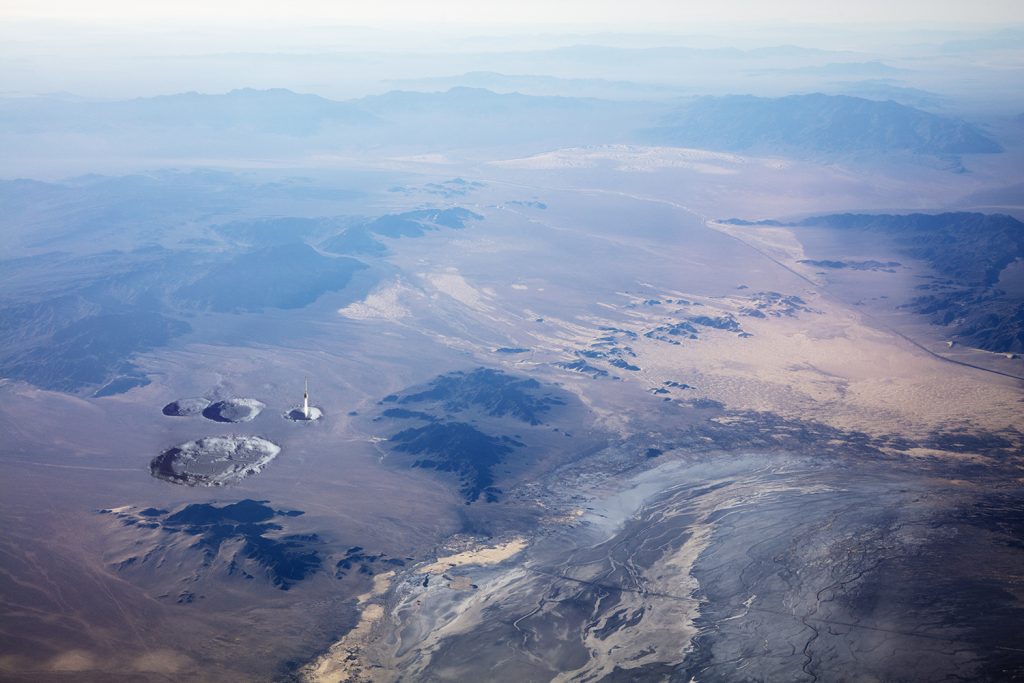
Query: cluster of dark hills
{"points": [[246, 538], [448, 438], [460, 448], [972, 248], [968, 252]]}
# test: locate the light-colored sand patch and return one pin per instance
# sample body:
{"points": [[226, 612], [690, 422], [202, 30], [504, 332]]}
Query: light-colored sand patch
{"points": [[12, 666], [12, 663], [776, 242], [668, 625], [407, 657], [460, 583], [478, 556], [380, 586], [162, 661], [386, 303], [452, 284], [665, 628], [945, 455], [638, 159], [568, 518], [830, 366], [344, 660], [73, 660]]}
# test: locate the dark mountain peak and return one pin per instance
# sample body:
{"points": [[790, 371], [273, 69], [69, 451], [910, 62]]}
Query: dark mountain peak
{"points": [[244, 511], [818, 123], [970, 247], [976, 222]]}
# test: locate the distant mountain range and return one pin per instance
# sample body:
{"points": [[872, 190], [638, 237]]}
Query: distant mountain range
{"points": [[470, 101], [543, 85], [593, 54], [276, 111], [873, 68], [886, 89], [816, 123], [269, 122]]}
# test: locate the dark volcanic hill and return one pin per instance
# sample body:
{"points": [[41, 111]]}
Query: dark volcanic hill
{"points": [[831, 124], [491, 391], [361, 238], [247, 539], [86, 351], [285, 276], [459, 412]]}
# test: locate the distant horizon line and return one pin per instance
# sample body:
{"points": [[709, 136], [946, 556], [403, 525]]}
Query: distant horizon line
{"points": [[442, 91], [677, 28]]}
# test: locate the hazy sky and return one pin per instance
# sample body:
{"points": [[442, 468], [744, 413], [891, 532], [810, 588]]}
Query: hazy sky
{"points": [[636, 12]]}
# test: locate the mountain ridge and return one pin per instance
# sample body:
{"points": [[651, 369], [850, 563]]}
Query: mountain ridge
{"points": [[817, 122]]}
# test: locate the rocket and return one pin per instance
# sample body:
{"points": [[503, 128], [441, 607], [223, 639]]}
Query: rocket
{"points": [[305, 401]]}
